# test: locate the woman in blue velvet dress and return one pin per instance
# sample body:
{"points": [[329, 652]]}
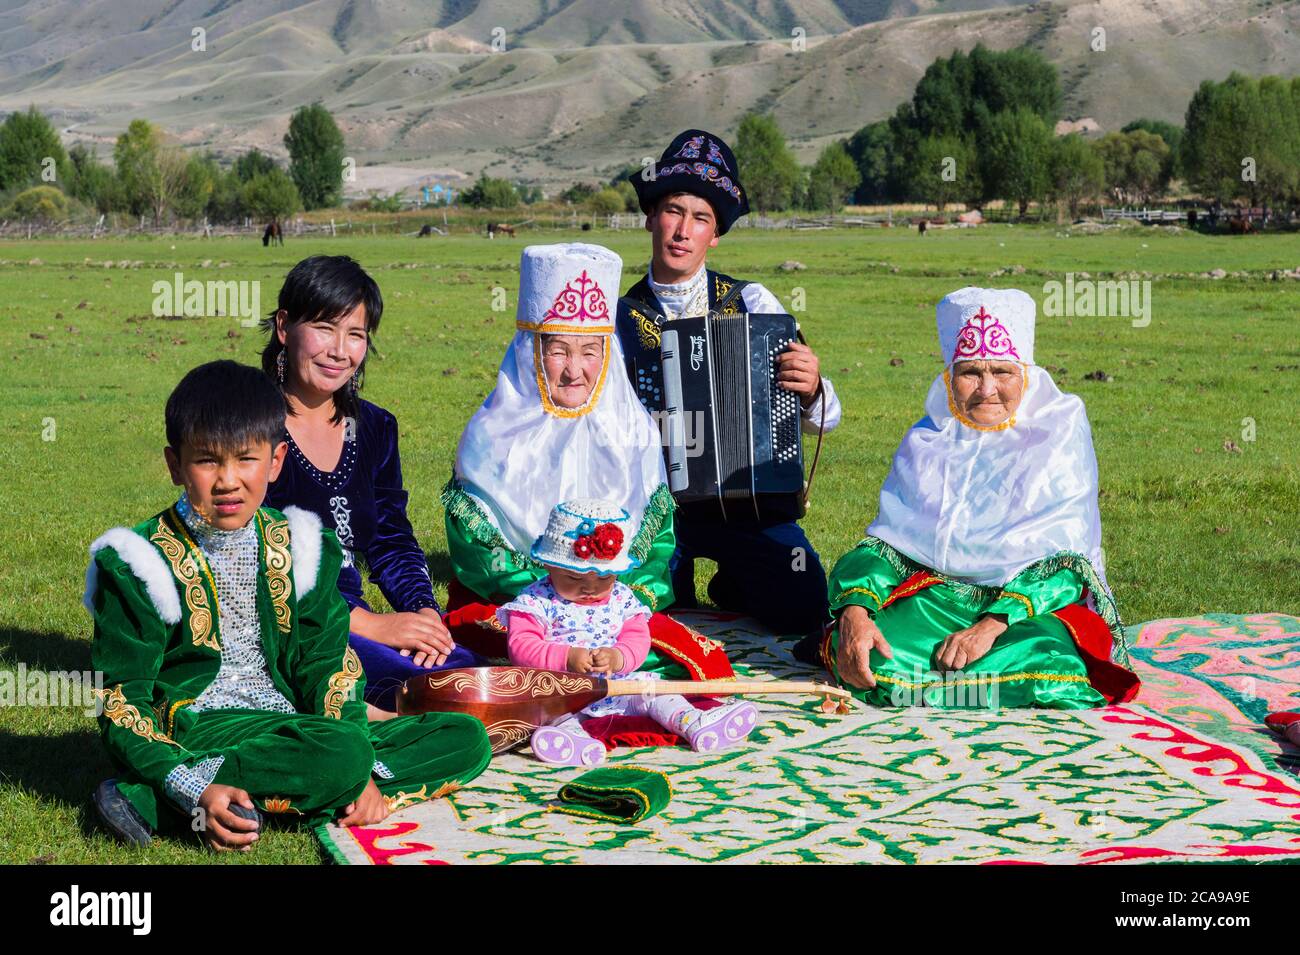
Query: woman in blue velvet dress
{"points": [[343, 464]]}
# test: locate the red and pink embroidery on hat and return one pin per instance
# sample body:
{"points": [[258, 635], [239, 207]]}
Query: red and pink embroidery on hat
{"points": [[580, 302], [983, 336]]}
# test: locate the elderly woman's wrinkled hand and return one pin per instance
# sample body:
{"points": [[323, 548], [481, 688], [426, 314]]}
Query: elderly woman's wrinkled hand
{"points": [[961, 649], [859, 635]]}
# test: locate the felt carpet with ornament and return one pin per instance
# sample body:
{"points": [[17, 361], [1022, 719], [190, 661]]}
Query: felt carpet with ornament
{"points": [[1185, 773]]}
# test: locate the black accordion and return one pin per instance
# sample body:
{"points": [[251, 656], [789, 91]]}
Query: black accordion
{"points": [[731, 435]]}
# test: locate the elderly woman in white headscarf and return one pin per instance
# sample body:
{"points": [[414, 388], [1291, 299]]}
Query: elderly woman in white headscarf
{"points": [[562, 423], [981, 581]]}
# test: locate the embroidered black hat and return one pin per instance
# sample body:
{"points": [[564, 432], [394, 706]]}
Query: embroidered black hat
{"points": [[700, 163]]}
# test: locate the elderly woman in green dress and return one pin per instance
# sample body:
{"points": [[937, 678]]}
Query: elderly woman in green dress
{"points": [[981, 580]]}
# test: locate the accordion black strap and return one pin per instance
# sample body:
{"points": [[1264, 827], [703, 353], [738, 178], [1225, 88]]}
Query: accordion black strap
{"points": [[821, 431]]}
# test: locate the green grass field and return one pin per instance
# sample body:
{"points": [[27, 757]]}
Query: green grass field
{"points": [[1189, 525]]}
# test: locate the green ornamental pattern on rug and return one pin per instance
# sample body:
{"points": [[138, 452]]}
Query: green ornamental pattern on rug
{"points": [[890, 786]]}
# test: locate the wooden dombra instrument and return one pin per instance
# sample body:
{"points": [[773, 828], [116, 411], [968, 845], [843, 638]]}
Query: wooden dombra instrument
{"points": [[513, 701]]}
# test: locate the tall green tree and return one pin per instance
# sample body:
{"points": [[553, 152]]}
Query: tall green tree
{"points": [[770, 172], [253, 163], [1015, 154], [31, 152], [152, 173], [872, 149], [201, 174], [832, 179], [1136, 165], [93, 182], [944, 170], [1077, 172], [489, 193], [315, 156], [1171, 134], [1242, 139], [271, 195]]}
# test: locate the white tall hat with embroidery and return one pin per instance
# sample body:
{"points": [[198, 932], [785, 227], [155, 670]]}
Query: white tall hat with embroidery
{"points": [[986, 323], [587, 534], [568, 288]]}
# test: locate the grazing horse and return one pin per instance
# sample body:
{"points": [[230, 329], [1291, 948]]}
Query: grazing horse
{"points": [[1240, 225], [273, 233], [495, 227]]}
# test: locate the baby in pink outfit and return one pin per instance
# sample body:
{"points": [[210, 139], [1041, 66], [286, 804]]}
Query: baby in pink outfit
{"points": [[580, 618]]}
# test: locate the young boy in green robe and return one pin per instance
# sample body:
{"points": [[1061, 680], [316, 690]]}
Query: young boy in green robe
{"points": [[229, 687]]}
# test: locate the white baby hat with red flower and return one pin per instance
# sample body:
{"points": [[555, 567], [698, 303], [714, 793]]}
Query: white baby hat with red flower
{"points": [[587, 534]]}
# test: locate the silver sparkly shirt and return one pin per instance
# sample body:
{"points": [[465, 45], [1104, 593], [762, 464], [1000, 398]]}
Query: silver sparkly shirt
{"points": [[243, 680]]}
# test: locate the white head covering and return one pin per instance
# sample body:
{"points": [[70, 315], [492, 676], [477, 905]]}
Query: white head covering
{"points": [[521, 454], [980, 504]]}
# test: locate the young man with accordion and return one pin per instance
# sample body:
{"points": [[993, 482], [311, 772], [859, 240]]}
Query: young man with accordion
{"points": [[723, 369]]}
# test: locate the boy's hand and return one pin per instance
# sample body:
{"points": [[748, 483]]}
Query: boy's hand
{"points": [[223, 830], [370, 807], [607, 660], [579, 660]]}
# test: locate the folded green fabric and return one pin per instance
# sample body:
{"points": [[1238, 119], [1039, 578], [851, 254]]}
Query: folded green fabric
{"points": [[616, 794]]}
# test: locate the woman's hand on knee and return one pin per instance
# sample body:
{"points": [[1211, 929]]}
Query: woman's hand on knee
{"points": [[961, 649], [421, 635], [859, 635]]}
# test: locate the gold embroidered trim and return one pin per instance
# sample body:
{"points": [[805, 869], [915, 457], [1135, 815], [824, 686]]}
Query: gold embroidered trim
{"points": [[860, 590], [556, 328], [279, 561], [123, 714], [182, 557], [171, 714], [684, 661], [952, 405], [643, 589], [720, 290], [1029, 605], [550, 406], [647, 332], [403, 799], [1004, 678], [341, 684], [905, 590]]}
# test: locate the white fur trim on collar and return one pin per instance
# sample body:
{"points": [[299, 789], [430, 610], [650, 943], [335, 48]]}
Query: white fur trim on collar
{"points": [[145, 562], [304, 546]]}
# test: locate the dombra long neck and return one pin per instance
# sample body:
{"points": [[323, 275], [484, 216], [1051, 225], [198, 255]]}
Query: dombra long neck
{"points": [[722, 688]]}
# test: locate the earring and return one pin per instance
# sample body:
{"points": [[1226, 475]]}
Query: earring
{"points": [[356, 382], [279, 367]]}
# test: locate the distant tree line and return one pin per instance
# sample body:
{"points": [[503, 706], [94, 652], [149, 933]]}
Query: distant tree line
{"points": [[150, 177]]}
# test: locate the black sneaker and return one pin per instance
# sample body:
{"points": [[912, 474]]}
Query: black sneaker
{"points": [[119, 816], [808, 650]]}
